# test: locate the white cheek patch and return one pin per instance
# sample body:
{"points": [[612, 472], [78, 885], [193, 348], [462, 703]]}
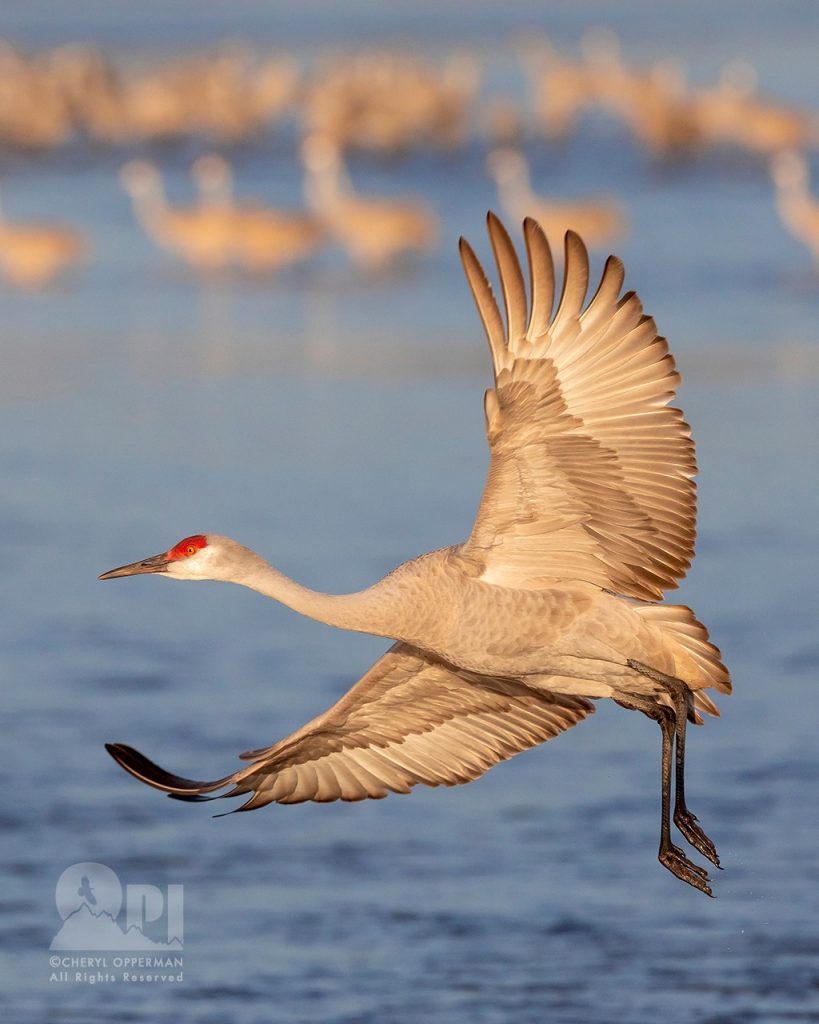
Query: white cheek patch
{"points": [[201, 566]]}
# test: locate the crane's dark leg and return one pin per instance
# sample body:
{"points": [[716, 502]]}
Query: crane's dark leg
{"points": [[670, 856], [685, 821]]}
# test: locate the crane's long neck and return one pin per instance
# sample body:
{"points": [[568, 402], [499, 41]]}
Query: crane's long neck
{"points": [[794, 202], [327, 185], [216, 190], [515, 187], [367, 611], [152, 209]]}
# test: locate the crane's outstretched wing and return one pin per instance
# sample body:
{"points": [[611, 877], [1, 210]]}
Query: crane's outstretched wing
{"points": [[408, 720], [590, 476]]}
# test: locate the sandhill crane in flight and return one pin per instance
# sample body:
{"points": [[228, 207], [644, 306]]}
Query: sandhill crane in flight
{"points": [[503, 641]]}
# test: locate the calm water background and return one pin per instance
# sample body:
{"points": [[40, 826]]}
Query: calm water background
{"points": [[335, 424]]}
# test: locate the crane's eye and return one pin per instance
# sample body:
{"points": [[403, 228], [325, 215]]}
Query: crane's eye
{"points": [[189, 546]]}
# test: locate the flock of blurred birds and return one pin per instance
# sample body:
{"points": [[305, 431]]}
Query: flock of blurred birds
{"points": [[379, 101]]}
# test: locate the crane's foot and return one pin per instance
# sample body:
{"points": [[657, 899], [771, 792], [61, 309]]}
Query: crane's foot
{"points": [[690, 829], [678, 864]]}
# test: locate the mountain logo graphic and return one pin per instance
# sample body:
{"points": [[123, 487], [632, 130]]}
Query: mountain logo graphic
{"points": [[89, 900]]}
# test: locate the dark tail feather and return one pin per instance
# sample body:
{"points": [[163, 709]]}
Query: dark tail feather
{"points": [[146, 771]]}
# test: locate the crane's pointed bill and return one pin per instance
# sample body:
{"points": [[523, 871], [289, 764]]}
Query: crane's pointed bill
{"points": [[157, 563]]}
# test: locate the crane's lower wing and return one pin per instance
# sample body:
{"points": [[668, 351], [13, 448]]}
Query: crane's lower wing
{"points": [[409, 720], [590, 476]]}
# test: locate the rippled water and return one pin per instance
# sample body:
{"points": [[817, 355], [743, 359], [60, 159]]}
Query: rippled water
{"points": [[335, 425]]}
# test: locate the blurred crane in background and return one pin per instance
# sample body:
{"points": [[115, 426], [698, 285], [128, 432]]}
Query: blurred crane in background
{"points": [[263, 239], [599, 221], [33, 253], [373, 230]]}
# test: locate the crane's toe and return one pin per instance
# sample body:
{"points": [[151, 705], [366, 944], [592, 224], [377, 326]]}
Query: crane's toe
{"points": [[690, 829], [678, 864]]}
